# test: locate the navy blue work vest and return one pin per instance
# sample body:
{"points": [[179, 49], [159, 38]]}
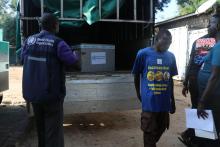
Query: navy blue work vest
{"points": [[43, 73]]}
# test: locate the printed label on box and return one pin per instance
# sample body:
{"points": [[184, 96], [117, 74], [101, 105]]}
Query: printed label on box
{"points": [[98, 58]]}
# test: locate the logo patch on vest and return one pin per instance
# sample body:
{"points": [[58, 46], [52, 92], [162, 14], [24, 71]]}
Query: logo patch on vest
{"points": [[31, 40], [45, 42]]}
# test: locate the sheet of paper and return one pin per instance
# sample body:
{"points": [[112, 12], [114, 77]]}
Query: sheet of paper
{"points": [[206, 134], [192, 120]]}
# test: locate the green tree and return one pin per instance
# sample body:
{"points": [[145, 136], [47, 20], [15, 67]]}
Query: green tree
{"points": [[3, 6], [13, 5], [189, 6], [9, 28], [160, 4], [8, 20]]}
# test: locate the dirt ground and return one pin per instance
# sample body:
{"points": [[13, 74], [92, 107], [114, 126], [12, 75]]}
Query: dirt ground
{"points": [[13, 96], [115, 129]]}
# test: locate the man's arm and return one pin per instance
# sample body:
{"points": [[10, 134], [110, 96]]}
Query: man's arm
{"points": [[212, 83], [137, 85], [211, 86], [173, 104], [173, 73], [188, 70], [23, 53], [65, 53], [138, 67]]}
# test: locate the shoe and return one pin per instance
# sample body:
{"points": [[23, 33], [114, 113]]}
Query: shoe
{"points": [[185, 140]]}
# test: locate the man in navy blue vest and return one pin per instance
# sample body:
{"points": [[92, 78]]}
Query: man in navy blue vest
{"points": [[43, 57]]}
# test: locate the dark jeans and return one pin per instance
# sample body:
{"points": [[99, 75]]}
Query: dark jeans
{"points": [[194, 93], [153, 124], [49, 122], [208, 142], [213, 104]]}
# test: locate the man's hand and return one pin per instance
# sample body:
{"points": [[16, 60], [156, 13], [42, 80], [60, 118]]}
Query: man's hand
{"points": [[201, 112], [185, 91], [173, 107]]}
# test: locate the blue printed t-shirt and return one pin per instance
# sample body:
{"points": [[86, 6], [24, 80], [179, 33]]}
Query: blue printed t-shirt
{"points": [[157, 70], [212, 59]]}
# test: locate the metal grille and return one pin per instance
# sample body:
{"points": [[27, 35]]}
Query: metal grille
{"points": [[117, 19]]}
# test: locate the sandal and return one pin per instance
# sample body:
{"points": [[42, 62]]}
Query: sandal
{"points": [[185, 140]]}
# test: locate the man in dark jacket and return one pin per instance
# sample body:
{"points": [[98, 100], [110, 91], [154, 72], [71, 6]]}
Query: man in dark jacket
{"points": [[43, 57]]}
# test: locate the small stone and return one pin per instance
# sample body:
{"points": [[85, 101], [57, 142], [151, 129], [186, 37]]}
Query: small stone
{"points": [[102, 124]]}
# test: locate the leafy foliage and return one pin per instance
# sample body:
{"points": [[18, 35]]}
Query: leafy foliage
{"points": [[189, 6], [3, 6], [8, 20], [160, 4], [13, 5]]}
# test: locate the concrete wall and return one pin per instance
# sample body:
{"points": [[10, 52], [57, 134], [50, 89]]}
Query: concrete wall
{"points": [[192, 21], [185, 30]]}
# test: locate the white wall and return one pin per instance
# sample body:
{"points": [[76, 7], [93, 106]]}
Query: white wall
{"points": [[179, 49], [181, 46]]}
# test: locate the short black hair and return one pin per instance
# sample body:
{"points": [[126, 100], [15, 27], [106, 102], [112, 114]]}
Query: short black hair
{"points": [[216, 8], [161, 33], [216, 16], [48, 20]]}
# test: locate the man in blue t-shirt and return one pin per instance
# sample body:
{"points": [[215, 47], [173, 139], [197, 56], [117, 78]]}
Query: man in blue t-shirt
{"points": [[200, 49], [209, 86], [155, 67]]}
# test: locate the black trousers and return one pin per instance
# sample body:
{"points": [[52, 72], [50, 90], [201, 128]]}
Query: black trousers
{"points": [[153, 125], [49, 123], [194, 92]]}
